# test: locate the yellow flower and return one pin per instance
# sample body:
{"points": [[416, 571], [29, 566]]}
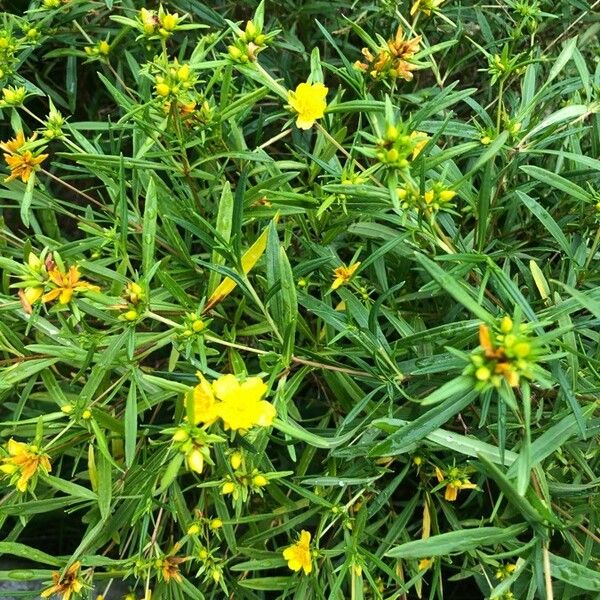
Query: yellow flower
{"points": [[391, 60], [240, 404], [67, 284], [204, 402], [65, 586], [23, 462], [309, 102], [455, 480], [425, 563], [170, 568], [14, 145], [298, 555], [426, 6], [505, 571], [342, 275], [22, 163], [420, 139]]}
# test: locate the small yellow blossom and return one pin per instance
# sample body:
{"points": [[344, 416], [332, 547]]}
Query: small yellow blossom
{"points": [[67, 284], [420, 140], [23, 462], [425, 563], [22, 163], [309, 102], [169, 567], [298, 555], [427, 7], [216, 524], [506, 570], [455, 480], [65, 586], [342, 275]]}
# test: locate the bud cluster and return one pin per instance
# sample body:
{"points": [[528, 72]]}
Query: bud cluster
{"points": [[248, 43]]}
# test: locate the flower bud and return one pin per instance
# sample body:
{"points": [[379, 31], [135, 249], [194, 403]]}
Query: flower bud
{"points": [[193, 529], [14, 96], [506, 325], [235, 460], [392, 155], [195, 461], [483, 373], [234, 52], [183, 73], [169, 21], [251, 31], [446, 195], [162, 89], [228, 488], [216, 524], [391, 133], [198, 325], [260, 481], [181, 435]]}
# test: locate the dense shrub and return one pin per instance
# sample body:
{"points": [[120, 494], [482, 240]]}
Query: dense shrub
{"points": [[300, 300]]}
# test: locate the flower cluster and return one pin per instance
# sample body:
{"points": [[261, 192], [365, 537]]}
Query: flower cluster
{"points": [[436, 198], [13, 96], [195, 445], [248, 43], [158, 25], [99, 50], [455, 479], [506, 353], [47, 280], [245, 480], [176, 81], [392, 61], [134, 296], [23, 463], [238, 403], [397, 147]]}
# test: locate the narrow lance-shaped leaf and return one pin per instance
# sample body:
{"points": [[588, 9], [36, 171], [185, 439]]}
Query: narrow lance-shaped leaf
{"points": [[249, 259]]}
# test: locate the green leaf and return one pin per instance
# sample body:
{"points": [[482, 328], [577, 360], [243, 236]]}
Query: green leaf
{"points": [[401, 440], [149, 227], [463, 540], [455, 287], [547, 221], [574, 574]]}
